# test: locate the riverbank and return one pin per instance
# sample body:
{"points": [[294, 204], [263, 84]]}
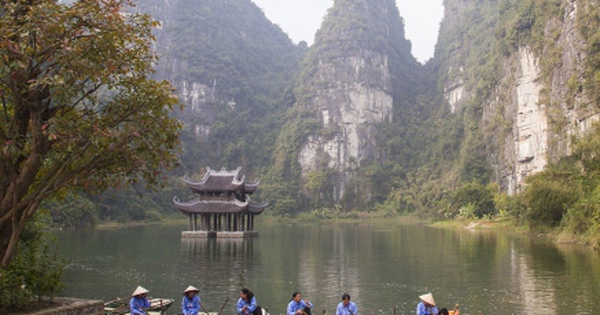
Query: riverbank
{"points": [[506, 224], [509, 225], [64, 306]]}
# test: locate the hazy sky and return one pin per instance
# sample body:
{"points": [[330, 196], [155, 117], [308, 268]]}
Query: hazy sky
{"points": [[300, 19]]}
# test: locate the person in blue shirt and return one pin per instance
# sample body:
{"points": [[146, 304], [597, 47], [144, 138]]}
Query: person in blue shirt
{"points": [[298, 306], [427, 305], [246, 304], [190, 303], [139, 302], [346, 307]]}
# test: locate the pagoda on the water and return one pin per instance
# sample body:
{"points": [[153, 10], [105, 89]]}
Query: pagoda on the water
{"points": [[223, 205]]}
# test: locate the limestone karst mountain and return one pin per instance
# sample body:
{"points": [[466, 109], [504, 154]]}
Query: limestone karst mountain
{"points": [[354, 77], [354, 122]]}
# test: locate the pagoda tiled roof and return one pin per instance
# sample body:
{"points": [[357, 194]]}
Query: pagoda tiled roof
{"points": [[222, 181], [256, 208], [219, 206]]}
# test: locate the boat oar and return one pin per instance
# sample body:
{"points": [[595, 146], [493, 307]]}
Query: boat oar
{"points": [[118, 309], [204, 309], [455, 311], [223, 306]]}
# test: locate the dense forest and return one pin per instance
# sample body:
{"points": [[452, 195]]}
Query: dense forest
{"points": [[248, 91]]}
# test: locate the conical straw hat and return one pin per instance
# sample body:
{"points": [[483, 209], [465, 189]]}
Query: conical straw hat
{"points": [[139, 290], [191, 289], [428, 298]]}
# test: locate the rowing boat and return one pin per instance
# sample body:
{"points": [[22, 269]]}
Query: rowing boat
{"points": [[158, 306]]}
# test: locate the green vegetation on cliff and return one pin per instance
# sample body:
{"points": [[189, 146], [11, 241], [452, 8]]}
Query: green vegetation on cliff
{"points": [[244, 62], [371, 32], [483, 42]]}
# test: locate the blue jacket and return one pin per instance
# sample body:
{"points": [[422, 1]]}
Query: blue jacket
{"points": [[294, 306], [349, 309], [250, 306], [190, 306], [138, 305], [423, 310]]}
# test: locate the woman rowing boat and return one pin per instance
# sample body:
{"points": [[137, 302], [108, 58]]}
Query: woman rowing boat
{"points": [[139, 301], [427, 307]]}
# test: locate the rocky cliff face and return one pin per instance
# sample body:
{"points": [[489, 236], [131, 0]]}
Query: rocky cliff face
{"points": [[528, 144], [351, 86], [350, 105], [532, 108], [229, 65]]}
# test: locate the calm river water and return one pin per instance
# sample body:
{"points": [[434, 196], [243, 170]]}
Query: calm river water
{"points": [[384, 266]]}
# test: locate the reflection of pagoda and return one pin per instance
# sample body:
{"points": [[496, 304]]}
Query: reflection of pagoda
{"points": [[224, 206]]}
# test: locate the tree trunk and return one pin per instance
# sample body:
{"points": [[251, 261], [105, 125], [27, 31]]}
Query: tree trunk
{"points": [[9, 236], [11, 230]]}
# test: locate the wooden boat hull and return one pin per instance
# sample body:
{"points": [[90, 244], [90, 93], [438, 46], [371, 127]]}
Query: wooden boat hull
{"points": [[158, 306]]}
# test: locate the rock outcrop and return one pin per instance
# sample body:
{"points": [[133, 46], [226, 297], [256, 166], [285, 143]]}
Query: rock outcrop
{"points": [[353, 65], [531, 110]]}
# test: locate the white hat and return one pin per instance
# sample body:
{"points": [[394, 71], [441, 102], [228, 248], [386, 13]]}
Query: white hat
{"points": [[428, 298], [139, 290], [191, 289]]}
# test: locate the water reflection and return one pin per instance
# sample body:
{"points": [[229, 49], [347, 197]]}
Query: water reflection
{"points": [[533, 274], [214, 248], [380, 265]]}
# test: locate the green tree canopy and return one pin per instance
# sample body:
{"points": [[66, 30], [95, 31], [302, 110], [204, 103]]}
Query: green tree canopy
{"points": [[78, 107]]}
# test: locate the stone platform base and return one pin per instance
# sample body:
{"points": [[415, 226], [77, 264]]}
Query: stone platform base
{"points": [[218, 234]]}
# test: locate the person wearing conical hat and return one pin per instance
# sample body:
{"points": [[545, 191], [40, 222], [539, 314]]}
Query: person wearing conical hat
{"points": [[139, 301], [427, 305], [190, 303]]}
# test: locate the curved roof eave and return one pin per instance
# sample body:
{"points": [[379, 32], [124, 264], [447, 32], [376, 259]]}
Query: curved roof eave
{"points": [[211, 206]]}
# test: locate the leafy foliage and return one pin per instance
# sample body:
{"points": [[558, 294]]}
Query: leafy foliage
{"points": [[72, 211], [547, 199], [282, 184], [478, 198], [588, 24], [566, 193], [33, 273], [582, 218], [78, 106]]}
